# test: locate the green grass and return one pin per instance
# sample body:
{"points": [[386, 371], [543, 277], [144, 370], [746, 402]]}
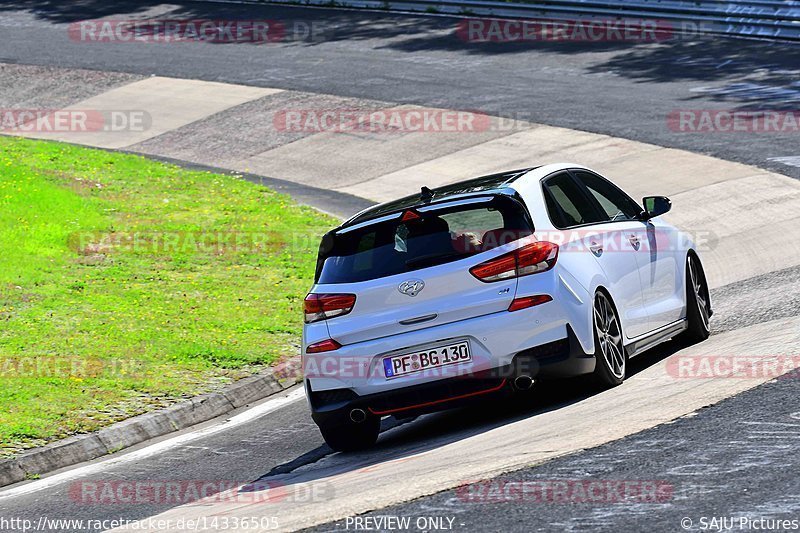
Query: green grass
{"points": [[96, 327]]}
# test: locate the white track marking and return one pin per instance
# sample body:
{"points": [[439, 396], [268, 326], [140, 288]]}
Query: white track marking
{"points": [[792, 161], [242, 418]]}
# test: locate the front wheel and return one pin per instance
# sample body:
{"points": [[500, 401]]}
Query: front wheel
{"points": [[698, 303], [611, 360], [347, 436]]}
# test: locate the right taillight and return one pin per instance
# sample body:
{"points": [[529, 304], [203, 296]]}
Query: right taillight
{"points": [[324, 306], [529, 301], [529, 259]]}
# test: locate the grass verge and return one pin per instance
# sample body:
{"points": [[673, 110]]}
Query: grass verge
{"points": [[126, 284]]}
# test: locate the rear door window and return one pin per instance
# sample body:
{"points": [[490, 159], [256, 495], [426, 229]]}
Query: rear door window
{"points": [[567, 204], [430, 236]]}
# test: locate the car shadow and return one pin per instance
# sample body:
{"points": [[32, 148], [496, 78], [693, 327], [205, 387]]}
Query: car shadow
{"points": [[402, 439]]}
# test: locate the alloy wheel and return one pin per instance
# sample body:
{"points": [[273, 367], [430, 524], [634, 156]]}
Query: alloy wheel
{"points": [[609, 335]]}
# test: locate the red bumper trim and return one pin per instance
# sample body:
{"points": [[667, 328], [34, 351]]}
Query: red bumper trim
{"points": [[436, 402]]}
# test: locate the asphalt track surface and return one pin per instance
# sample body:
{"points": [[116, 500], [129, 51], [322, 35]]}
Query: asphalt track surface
{"points": [[722, 453], [704, 448], [735, 460]]}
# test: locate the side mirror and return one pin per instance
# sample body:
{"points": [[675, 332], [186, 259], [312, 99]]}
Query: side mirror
{"points": [[655, 206]]}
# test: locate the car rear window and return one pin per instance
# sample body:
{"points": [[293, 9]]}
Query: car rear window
{"points": [[430, 235]]}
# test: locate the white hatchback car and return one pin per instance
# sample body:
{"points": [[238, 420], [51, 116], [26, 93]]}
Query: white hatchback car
{"points": [[487, 286]]}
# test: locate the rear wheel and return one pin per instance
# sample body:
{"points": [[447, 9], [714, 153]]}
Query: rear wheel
{"points": [[347, 436], [698, 303], [611, 360]]}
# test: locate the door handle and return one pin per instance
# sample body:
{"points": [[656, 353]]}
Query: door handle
{"points": [[634, 241], [597, 249]]}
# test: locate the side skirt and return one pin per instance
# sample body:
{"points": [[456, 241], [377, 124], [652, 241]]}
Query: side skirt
{"points": [[662, 334]]}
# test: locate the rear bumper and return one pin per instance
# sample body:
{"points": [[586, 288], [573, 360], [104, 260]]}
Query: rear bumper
{"points": [[494, 339], [556, 359]]}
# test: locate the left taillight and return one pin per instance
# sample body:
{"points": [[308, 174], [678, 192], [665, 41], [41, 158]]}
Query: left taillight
{"points": [[538, 256], [325, 306]]}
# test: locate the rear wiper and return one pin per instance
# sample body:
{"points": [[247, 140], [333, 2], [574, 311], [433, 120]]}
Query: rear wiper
{"points": [[430, 258]]}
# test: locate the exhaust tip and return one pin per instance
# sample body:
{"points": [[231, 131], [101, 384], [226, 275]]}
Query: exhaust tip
{"points": [[358, 415], [523, 382]]}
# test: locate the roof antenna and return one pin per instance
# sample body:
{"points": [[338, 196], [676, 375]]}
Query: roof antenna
{"points": [[426, 195]]}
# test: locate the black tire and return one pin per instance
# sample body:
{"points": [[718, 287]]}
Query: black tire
{"points": [[610, 356], [347, 436], [698, 303]]}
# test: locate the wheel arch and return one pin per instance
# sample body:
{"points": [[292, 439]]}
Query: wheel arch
{"points": [[586, 337], [583, 327]]}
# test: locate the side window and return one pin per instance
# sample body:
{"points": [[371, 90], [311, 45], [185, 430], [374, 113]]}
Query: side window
{"points": [[616, 204], [567, 204]]}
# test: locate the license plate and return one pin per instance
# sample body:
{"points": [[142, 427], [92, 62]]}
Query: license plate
{"points": [[447, 354]]}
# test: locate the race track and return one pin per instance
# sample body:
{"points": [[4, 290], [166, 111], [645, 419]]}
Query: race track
{"points": [[604, 107]]}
